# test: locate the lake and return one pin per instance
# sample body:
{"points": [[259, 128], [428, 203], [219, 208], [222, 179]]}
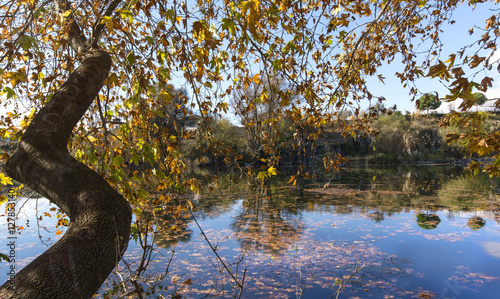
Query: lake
{"points": [[411, 232]]}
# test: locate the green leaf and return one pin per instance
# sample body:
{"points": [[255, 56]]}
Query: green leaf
{"points": [[126, 14], [262, 175], [117, 160], [27, 42], [131, 58], [170, 15], [8, 92], [228, 24], [165, 73], [4, 257]]}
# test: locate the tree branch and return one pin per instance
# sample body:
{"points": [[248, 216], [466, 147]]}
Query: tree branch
{"points": [[99, 27]]}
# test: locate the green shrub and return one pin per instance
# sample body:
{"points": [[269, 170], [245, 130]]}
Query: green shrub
{"points": [[409, 139], [382, 158]]}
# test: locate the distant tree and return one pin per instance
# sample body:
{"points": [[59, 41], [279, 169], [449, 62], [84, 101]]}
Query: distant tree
{"points": [[428, 101], [480, 98], [172, 110], [258, 108]]}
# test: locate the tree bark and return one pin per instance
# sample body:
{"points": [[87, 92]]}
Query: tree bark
{"points": [[98, 234]]}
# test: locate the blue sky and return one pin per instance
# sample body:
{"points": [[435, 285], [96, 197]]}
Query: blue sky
{"points": [[454, 37]]}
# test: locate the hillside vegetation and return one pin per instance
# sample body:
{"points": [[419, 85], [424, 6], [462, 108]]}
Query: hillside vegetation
{"points": [[394, 138]]}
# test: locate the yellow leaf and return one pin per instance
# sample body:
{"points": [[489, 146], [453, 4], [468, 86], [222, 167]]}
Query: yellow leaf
{"points": [[256, 79], [5, 180], [109, 23], [272, 170], [15, 77], [66, 14], [250, 10], [283, 6], [263, 96], [451, 60], [189, 204]]}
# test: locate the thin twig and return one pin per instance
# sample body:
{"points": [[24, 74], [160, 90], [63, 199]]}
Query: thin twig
{"points": [[242, 283], [337, 293], [361, 38], [215, 251]]}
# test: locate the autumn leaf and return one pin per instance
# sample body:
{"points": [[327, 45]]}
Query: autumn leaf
{"points": [[5, 180], [486, 83], [15, 78], [108, 21], [476, 60], [272, 170]]}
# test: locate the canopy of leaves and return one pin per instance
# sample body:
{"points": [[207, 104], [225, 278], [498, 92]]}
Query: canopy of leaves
{"points": [[323, 51]]}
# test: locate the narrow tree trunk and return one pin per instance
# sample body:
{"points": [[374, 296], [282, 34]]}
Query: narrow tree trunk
{"points": [[98, 234]]}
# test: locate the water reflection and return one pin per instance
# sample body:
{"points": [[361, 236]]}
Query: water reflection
{"points": [[273, 213], [428, 221], [413, 227], [492, 248], [267, 222], [424, 189], [270, 217], [377, 216], [173, 231], [476, 223]]}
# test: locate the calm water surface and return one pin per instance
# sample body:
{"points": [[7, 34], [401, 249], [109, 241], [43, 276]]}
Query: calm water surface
{"points": [[424, 232]]}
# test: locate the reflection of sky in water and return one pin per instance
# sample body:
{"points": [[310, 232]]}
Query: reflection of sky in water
{"points": [[449, 253], [314, 241], [28, 242], [402, 259], [492, 248]]}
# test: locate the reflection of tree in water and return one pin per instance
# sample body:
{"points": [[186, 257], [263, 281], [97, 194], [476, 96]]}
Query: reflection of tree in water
{"points": [[170, 223], [344, 209], [376, 216], [468, 192], [172, 231], [267, 223], [421, 183], [476, 223], [419, 180], [428, 221]]}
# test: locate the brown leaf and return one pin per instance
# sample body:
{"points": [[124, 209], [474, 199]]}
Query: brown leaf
{"points": [[486, 83]]}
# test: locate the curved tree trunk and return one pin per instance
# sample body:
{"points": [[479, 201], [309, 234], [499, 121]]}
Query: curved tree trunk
{"points": [[78, 264]]}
